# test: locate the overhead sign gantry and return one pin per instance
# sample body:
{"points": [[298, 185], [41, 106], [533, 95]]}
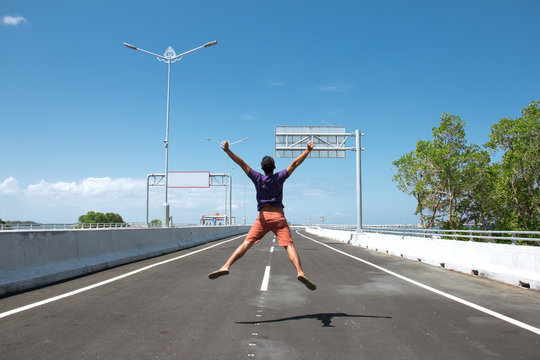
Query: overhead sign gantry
{"points": [[190, 179], [329, 142]]}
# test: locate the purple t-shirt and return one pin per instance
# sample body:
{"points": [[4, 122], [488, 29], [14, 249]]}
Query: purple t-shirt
{"points": [[269, 187]]}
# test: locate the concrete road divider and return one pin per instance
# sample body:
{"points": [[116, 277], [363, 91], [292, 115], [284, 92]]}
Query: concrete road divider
{"points": [[511, 264], [30, 259]]}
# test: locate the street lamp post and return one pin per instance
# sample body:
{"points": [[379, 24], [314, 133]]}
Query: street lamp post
{"points": [[229, 217], [168, 57]]}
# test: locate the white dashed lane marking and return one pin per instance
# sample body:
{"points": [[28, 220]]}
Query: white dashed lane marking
{"points": [[266, 279]]}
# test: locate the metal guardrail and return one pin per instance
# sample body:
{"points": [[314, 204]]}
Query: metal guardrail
{"points": [[93, 226], [490, 236], [69, 226]]}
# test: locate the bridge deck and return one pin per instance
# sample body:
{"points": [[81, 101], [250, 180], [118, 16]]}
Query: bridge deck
{"points": [[173, 311]]}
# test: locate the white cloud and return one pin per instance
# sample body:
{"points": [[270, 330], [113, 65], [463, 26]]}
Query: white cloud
{"points": [[327, 88], [10, 186], [334, 112], [13, 20], [248, 117], [64, 201], [92, 191], [337, 86], [275, 83], [307, 190], [314, 193]]}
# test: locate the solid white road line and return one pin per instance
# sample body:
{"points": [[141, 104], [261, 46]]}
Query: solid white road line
{"points": [[439, 292], [116, 278], [266, 279]]}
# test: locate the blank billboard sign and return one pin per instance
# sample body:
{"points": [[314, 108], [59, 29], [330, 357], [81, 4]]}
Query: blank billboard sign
{"points": [[328, 141], [189, 179]]}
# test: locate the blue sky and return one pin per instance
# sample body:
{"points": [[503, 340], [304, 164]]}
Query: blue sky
{"points": [[82, 118]]}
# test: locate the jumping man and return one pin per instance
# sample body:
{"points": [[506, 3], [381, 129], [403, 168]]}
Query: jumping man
{"points": [[270, 206]]}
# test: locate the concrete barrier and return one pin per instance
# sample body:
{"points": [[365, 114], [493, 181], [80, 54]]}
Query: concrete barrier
{"points": [[30, 259], [511, 264]]}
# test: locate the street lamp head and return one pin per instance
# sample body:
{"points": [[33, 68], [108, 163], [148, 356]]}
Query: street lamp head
{"points": [[130, 46], [217, 142], [212, 43]]}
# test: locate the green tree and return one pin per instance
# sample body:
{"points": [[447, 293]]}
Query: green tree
{"points": [[434, 173], [520, 167], [447, 160], [92, 217], [411, 180], [414, 176], [455, 183], [155, 223], [478, 205]]}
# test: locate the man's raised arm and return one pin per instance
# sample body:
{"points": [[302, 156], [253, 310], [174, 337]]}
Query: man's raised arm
{"points": [[235, 158], [300, 159]]}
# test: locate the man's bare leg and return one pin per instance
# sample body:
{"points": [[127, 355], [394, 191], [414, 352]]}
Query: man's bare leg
{"points": [[295, 259], [237, 254]]}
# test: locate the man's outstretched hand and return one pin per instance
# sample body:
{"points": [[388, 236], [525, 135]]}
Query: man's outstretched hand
{"points": [[310, 145], [225, 145]]}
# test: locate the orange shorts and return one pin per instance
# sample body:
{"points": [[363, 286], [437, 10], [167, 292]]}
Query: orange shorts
{"points": [[271, 220]]}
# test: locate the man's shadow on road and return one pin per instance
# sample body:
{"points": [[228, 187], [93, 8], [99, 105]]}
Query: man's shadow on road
{"points": [[325, 318]]}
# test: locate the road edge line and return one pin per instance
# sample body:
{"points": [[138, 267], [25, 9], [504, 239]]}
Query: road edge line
{"points": [[436, 291], [105, 282]]}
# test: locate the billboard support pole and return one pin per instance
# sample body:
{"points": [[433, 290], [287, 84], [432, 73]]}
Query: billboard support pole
{"points": [[230, 200], [157, 179], [224, 180], [358, 181]]}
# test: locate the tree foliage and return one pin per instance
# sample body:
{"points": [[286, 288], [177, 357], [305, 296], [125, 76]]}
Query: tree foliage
{"points": [[520, 166], [92, 217], [456, 184]]}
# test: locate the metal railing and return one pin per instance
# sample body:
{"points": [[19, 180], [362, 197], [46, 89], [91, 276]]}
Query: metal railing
{"points": [[93, 226], [34, 226], [490, 236]]}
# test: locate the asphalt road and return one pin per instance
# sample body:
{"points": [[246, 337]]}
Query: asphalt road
{"points": [[367, 306]]}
